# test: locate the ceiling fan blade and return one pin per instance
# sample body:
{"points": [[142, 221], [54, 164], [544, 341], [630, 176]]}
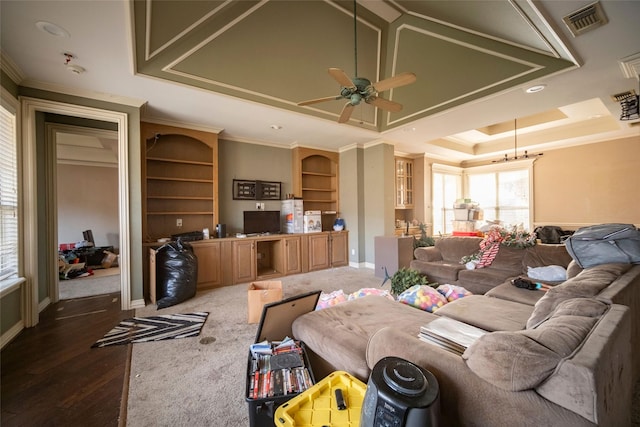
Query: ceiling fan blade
{"points": [[384, 104], [341, 77], [346, 112], [395, 81], [318, 100]]}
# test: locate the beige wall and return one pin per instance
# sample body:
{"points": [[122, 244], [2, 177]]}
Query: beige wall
{"points": [[88, 200], [589, 184]]}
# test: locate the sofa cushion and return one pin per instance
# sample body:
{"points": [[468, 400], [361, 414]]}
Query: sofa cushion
{"points": [[510, 292], [509, 258], [541, 255], [454, 248], [490, 314], [521, 360], [445, 272], [339, 334], [481, 280], [590, 282]]}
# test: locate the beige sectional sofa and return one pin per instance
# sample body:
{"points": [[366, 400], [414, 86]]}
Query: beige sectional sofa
{"points": [[441, 262], [563, 357]]}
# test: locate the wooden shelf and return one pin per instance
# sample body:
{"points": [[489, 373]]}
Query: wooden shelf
{"points": [[330, 190], [181, 213], [179, 161], [162, 178], [329, 175], [179, 198]]}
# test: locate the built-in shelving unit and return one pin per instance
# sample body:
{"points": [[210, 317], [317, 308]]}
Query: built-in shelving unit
{"points": [[316, 181], [180, 180]]}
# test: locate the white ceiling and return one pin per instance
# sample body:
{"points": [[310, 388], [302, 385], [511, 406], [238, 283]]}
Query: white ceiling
{"points": [[102, 42]]}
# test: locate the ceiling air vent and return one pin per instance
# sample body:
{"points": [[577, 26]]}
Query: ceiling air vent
{"points": [[623, 95], [585, 19]]}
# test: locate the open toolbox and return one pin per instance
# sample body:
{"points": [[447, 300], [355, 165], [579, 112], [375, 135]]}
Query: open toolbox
{"points": [[277, 371], [334, 401]]}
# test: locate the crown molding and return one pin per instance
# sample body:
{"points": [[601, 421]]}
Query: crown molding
{"points": [[11, 69]]}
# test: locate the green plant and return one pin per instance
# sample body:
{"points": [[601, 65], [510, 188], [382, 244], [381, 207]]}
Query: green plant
{"points": [[424, 240], [405, 278]]}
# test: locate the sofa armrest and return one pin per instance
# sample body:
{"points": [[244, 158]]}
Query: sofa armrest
{"points": [[465, 398], [428, 253]]}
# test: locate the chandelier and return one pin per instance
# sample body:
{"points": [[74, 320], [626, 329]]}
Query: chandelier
{"points": [[526, 154]]}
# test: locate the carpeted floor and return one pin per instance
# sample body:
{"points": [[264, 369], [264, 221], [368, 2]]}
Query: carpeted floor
{"points": [[201, 381]]}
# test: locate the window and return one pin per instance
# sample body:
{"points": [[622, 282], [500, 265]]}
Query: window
{"points": [[503, 192], [8, 194], [447, 188]]}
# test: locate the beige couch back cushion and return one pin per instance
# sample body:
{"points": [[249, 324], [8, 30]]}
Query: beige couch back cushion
{"points": [[521, 360]]}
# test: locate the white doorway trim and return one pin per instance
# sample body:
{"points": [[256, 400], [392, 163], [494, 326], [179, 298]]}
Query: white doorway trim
{"points": [[31, 106]]}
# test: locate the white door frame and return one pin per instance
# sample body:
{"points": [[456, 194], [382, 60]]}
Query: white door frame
{"points": [[31, 106]]}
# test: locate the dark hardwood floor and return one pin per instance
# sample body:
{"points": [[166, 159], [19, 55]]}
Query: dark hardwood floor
{"points": [[52, 377]]}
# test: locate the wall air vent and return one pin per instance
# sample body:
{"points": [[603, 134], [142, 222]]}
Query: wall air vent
{"points": [[585, 19]]}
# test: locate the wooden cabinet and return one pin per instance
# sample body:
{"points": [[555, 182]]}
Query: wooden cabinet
{"points": [[327, 250], [244, 261], [315, 179], [318, 251], [223, 262], [292, 255], [339, 243], [404, 183], [180, 180], [214, 266]]}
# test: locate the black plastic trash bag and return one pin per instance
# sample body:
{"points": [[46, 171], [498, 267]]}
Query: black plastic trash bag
{"points": [[176, 273]]}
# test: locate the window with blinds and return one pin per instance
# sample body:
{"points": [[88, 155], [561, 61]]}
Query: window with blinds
{"points": [[8, 196]]}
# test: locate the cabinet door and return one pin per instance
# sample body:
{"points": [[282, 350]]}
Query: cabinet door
{"points": [[244, 261], [318, 251], [209, 264], [292, 255], [339, 249]]}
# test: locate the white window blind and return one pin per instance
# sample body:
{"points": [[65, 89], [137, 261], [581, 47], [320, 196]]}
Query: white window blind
{"points": [[8, 196]]}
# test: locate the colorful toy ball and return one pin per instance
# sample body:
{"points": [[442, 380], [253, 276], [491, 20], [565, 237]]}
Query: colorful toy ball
{"points": [[423, 297]]}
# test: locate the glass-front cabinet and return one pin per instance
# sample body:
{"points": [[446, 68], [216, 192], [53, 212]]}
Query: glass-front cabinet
{"points": [[404, 183]]}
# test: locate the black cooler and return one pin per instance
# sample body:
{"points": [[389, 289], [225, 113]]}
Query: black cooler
{"points": [[275, 325]]}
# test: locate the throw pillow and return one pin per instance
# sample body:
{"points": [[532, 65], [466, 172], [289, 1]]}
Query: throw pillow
{"points": [[521, 360]]}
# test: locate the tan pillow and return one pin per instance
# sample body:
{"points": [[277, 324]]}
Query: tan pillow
{"points": [[510, 360], [521, 360], [590, 282]]}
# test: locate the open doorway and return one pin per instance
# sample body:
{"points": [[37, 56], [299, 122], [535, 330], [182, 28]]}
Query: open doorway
{"points": [[40, 257], [85, 172]]}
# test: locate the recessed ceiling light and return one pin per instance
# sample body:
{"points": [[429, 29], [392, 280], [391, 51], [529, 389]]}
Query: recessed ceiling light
{"points": [[276, 127], [535, 88], [52, 29], [409, 129]]}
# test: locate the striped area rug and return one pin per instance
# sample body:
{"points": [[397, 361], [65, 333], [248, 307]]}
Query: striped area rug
{"points": [[154, 328]]}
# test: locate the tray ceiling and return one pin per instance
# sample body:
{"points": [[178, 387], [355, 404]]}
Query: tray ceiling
{"points": [[278, 52]]}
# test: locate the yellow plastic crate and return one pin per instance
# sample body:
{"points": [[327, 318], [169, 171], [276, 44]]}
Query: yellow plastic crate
{"points": [[316, 407]]}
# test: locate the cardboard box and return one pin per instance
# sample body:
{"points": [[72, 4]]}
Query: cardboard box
{"points": [[312, 222], [259, 294]]}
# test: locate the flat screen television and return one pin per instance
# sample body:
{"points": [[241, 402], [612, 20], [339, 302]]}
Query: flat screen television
{"points": [[260, 222]]}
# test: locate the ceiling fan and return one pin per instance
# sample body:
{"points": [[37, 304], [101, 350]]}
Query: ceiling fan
{"points": [[361, 89]]}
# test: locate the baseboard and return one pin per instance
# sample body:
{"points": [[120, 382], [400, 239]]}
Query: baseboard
{"points": [[44, 304], [11, 333], [360, 265], [137, 303]]}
